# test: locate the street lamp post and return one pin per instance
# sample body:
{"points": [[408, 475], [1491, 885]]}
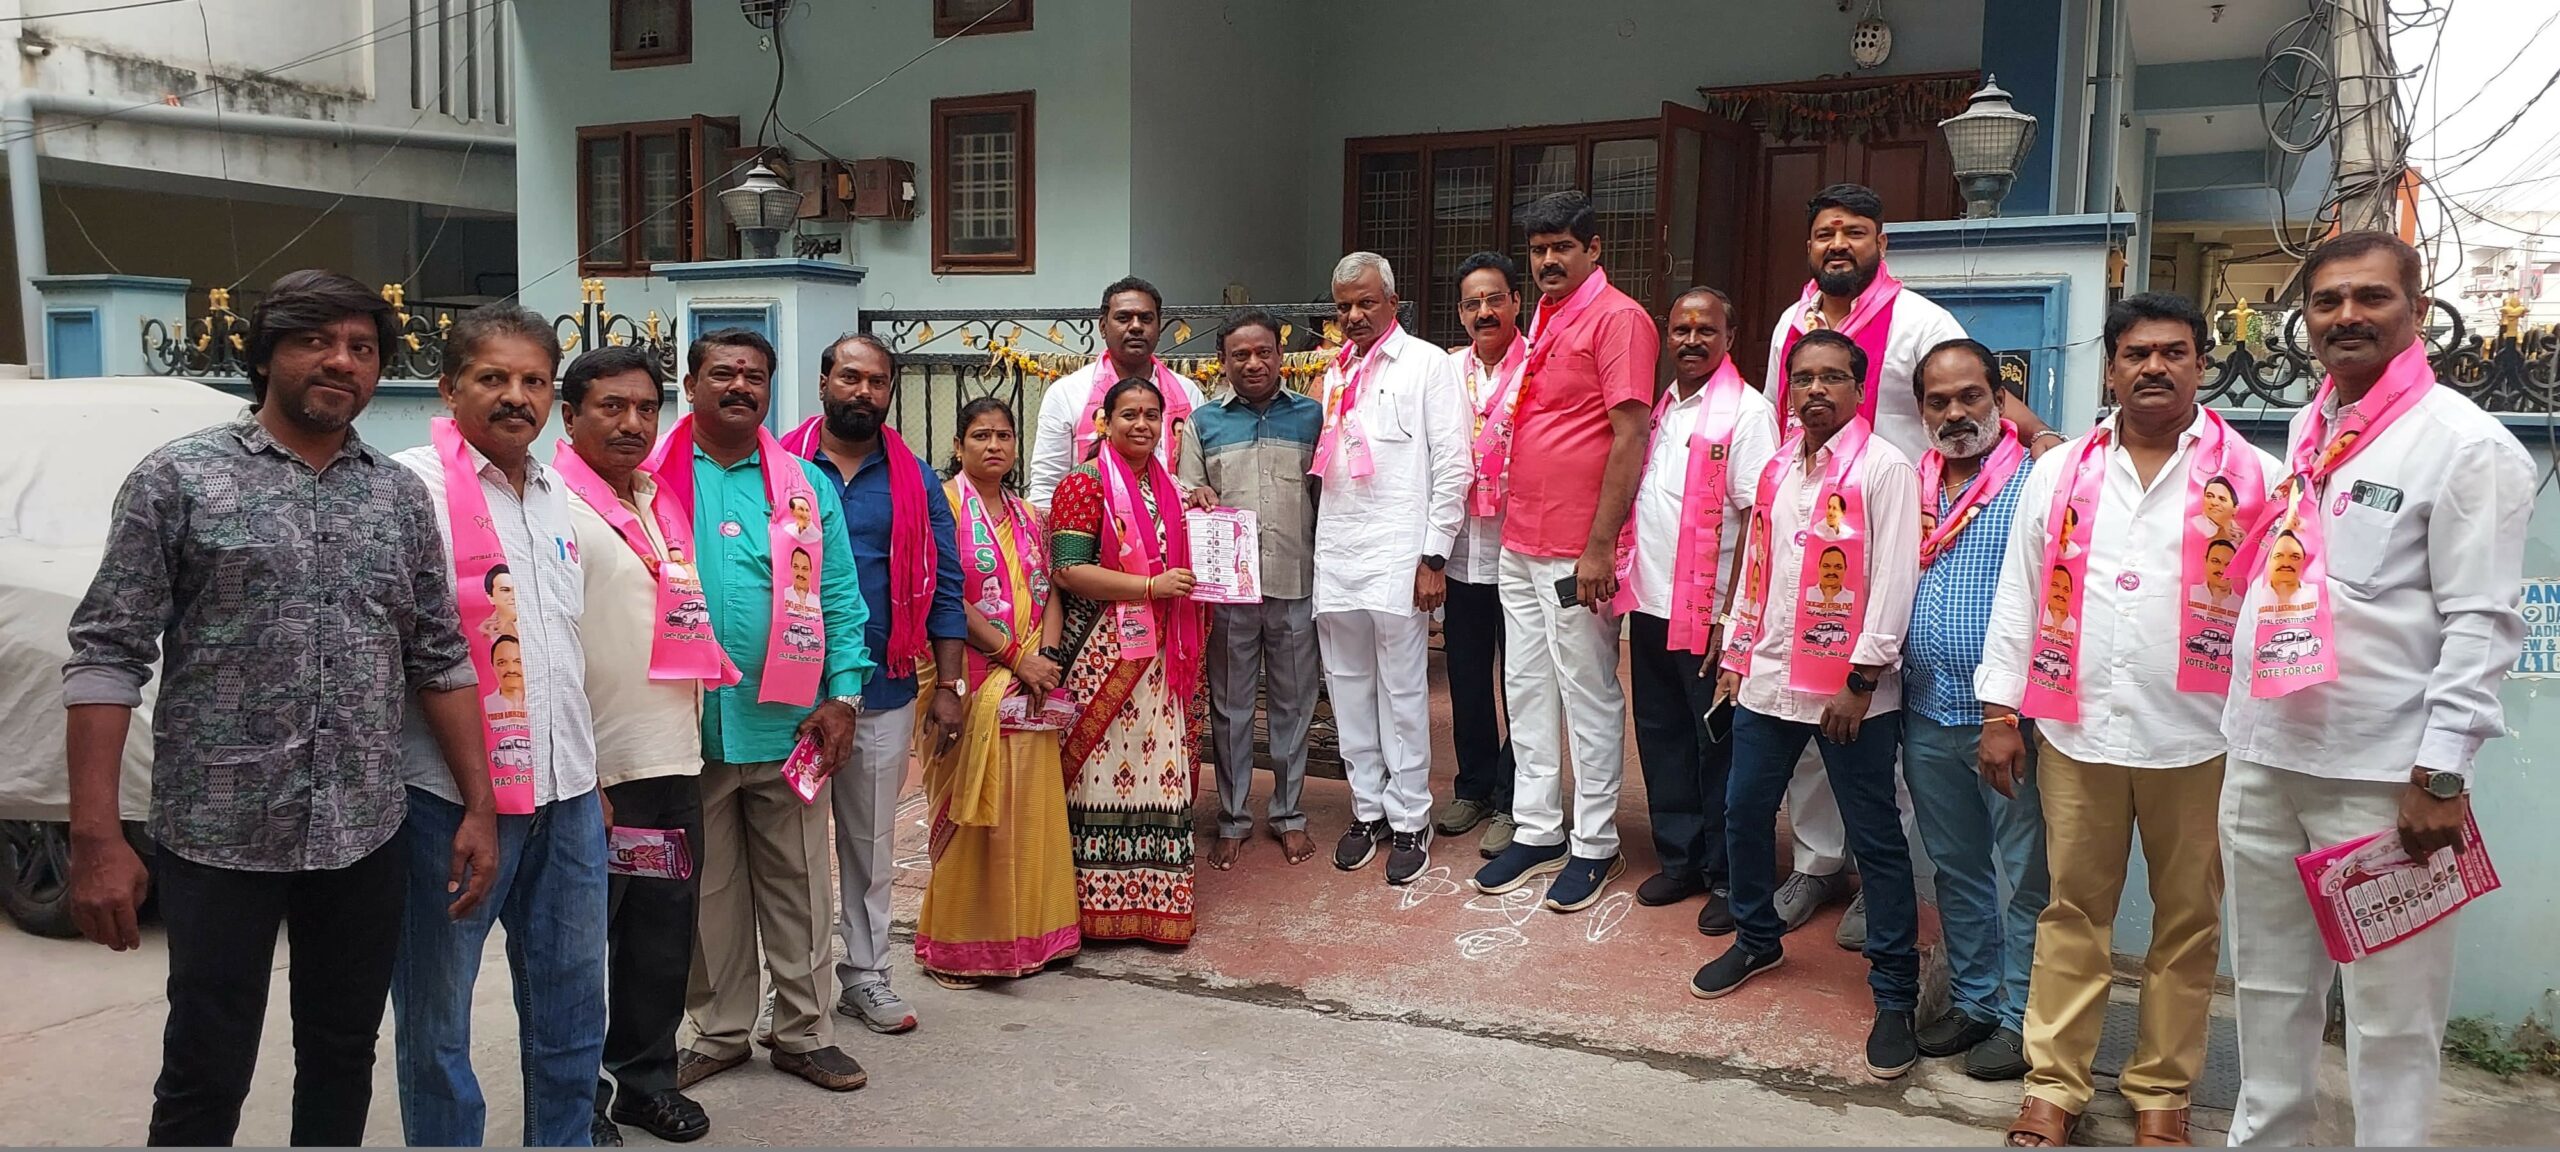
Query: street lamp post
{"points": [[1988, 140], [762, 207]]}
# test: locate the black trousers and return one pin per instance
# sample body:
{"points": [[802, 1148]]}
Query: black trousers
{"points": [[1686, 753], [1471, 648], [344, 925], [649, 925]]}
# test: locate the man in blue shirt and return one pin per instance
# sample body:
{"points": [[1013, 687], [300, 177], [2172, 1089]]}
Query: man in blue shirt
{"points": [[763, 863], [1974, 835], [913, 602]]}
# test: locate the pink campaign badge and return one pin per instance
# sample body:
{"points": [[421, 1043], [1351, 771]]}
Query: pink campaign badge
{"points": [[2129, 581], [731, 528]]}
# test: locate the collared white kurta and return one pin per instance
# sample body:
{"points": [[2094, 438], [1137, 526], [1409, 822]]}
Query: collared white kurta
{"points": [[1372, 531], [1664, 490]]}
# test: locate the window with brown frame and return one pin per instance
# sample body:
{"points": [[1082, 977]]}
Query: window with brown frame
{"points": [[963, 17], [1426, 203], [648, 193], [648, 33], [983, 201]]}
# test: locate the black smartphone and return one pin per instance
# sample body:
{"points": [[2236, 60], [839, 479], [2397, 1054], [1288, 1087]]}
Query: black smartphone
{"points": [[1566, 590]]}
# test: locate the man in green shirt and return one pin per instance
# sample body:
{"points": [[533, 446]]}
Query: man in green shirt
{"points": [[763, 856]]}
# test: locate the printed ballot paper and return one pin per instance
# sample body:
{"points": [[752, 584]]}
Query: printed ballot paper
{"points": [[2368, 894], [1226, 555]]}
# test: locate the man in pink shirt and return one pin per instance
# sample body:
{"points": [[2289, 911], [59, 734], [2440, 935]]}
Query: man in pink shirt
{"points": [[1585, 397]]}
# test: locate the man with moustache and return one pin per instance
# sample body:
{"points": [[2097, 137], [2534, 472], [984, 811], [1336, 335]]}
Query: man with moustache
{"points": [[1393, 462], [1713, 434], [1832, 682], [1584, 390], [1471, 626], [550, 886], [1980, 840], [1252, 448], [1130, 323], [2419, 523], [764, 847], [1852, 292], [905, 548], [2121, 679], [648, 751], [276, 778]]}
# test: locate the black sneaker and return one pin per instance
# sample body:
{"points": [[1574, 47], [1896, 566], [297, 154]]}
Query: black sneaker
{"points": [[1408, 853], [1891, 1048], [1730, 971], [1517, 865], [1954, 1033], [1716, 919], [1359, 842], [1664, 888], [2002, 1056]]}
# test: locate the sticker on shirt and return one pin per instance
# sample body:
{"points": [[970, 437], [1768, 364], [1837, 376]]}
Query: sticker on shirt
{"points": [[732, 528]]}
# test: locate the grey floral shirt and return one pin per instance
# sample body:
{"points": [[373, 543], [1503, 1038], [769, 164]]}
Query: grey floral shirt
{"points": [[292, 610]]}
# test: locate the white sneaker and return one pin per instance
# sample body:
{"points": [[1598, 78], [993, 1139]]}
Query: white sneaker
{"points": [[877, 1007]]}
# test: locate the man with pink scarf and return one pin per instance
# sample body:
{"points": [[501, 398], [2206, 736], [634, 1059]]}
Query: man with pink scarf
{"points": [[899, 523]]}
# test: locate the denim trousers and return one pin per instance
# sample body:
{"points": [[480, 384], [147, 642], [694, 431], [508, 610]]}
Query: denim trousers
{"points": [[1861, 772], [550, 895], [1983, 844]]}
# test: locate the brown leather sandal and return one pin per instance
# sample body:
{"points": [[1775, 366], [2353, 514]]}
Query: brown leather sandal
{"points": [[2041, 1124], [2160, 1128]]}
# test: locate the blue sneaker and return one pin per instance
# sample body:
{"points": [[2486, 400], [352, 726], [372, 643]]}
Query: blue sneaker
{"points": [[1580, 884], [1518, 864]]}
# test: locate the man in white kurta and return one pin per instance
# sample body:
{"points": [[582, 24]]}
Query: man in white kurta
{"points": [[1130, 324], [1382, 540]]}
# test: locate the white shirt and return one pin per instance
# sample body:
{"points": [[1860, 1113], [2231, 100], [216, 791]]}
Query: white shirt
{"points": [[644, 727], [1372, 532], [542, 555], [2425, 604], [2131, 712], [1919, 325], [1053, 447], [1663, 491], [1892, 492], [1476, 556]]}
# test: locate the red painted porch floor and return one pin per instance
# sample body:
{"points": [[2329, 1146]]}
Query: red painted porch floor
{"points": [[1612, 978]]}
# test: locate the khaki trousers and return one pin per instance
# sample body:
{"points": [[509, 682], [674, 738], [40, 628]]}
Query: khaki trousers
{"points": [[2090, 812], [763, 867]]}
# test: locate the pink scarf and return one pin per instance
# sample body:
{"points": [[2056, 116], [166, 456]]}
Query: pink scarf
{"points": [[1552, 321], [795, 657], [1343, 384], [1869, 324], [1495, 400], [1702, 506], [683, 647], [2204, 633], [1826, 626], [1177, 407], [2296, 645], [992, 587], [506, 728], [1170, 625], [1938, 533], [911, 555]]}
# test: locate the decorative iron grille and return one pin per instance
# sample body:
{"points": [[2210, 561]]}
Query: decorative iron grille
{"points": [[2261, 362], [215, 345]]}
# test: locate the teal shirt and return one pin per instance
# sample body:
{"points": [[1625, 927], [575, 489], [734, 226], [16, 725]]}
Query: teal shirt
{"points": [[737, 581]]}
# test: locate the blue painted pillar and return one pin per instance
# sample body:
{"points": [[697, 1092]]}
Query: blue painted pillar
{"points": [[2022, 46]]}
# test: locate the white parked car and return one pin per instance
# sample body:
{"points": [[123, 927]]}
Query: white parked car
{"points": [[71, 442]]}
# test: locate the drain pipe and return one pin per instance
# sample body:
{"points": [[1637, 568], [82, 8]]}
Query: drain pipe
{"points": [[26, 192]]}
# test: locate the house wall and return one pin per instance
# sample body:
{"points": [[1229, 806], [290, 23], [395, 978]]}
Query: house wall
{"points": [[1219, 126], [1077, 60]]}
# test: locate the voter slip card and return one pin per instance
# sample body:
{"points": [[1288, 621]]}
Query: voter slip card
{"points": [[659, 853]]}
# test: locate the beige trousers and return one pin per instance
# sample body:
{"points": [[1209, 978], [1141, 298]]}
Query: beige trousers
{"points": [[2091, 812], [763, 865]]}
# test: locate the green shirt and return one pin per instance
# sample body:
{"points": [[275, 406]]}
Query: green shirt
{"points": [[737, 581]]}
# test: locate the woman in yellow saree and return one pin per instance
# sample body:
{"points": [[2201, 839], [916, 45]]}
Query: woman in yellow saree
{"points": [[1002, 900]]}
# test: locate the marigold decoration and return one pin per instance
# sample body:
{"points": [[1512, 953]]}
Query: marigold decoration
{"points": [[1886, 106]]}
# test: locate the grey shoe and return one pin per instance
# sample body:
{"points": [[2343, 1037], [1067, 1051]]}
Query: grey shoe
{"points": [[1799, 896], [1853, 925], [1459, 817], [879, 1009], [1497, 835]]}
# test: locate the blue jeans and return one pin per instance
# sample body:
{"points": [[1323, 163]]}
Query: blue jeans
{"points": [[1765, 749], [550, 894], [1980, 841]]}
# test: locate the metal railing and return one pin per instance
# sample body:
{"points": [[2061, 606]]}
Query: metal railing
{"points": [[2262, 362], [215, 344]]}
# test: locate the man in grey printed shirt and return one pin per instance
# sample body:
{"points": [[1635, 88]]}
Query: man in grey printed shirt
{"points": [[291, 582]]}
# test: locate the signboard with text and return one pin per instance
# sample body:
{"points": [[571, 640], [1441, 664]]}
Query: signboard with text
{"points": [[2541, 656]]}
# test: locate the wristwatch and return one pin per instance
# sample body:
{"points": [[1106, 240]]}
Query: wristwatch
{"points": [[1860, 684], [959, 688], [1435, 563], [851, 700], [2444, 785]]}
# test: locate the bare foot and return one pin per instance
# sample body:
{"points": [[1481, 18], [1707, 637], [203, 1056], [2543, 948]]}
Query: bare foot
{"points": [[1224, 850], [1297, 846]]}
